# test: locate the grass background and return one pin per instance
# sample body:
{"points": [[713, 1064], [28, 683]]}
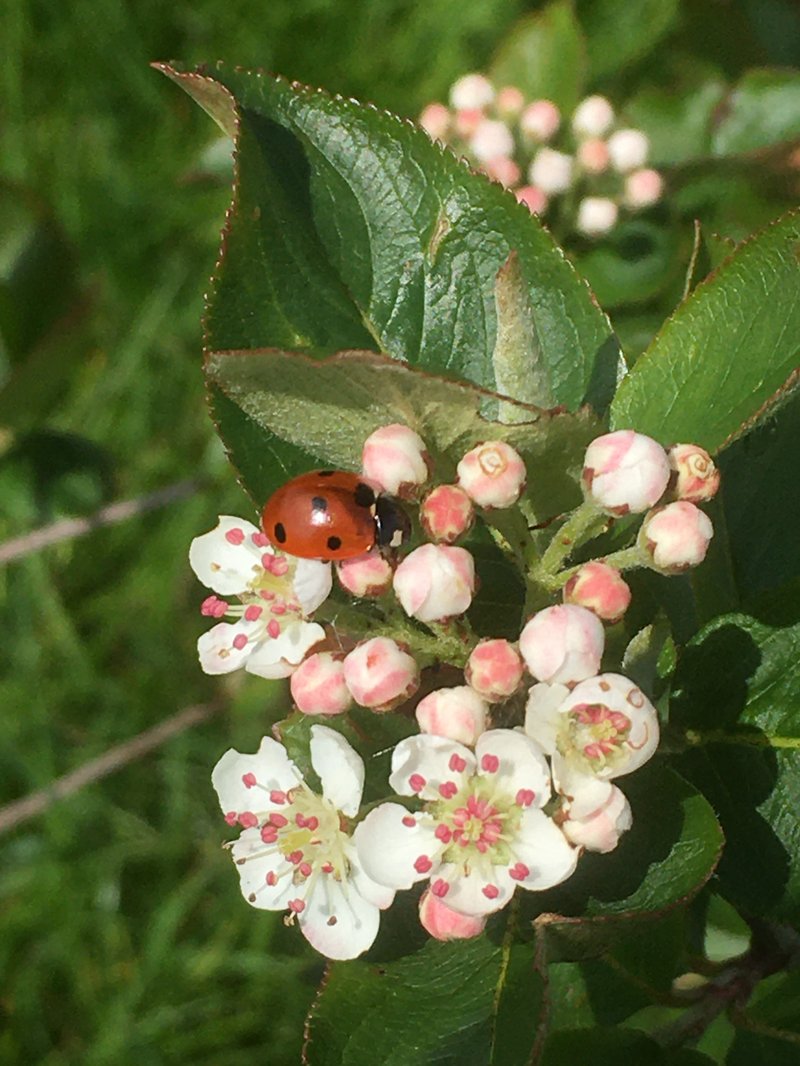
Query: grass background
{"points": [[123, 937]]}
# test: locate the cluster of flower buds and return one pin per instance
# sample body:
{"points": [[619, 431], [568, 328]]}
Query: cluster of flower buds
{"points": [[533, 149]]}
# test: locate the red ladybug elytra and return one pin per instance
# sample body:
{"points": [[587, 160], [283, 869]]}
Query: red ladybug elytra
{"points": [[332, 514]]}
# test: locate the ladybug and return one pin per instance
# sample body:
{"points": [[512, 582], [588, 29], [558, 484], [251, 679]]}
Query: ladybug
{"points": [[332, 514]]}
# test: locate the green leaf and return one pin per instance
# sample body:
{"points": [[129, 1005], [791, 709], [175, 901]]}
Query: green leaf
{"points": [[517, 356], [635, 263], [776, 1003], [737, 691], [608, 1047], [678, 125], [725, 351], [349, 229], [749, 1048], [544, 56], [619, 33], [763, 110]]}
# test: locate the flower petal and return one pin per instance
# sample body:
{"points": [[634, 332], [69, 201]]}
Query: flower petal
{"points": [[422, 763], [371, 890], [481, 891], [542, 719], [312, 583], [218, 650], [390, 841], [254, 860], [586, 792], [520, 762], [339, 767], [336, 920], [544, 850], [278, 657], [224, 558], [270, 769]]}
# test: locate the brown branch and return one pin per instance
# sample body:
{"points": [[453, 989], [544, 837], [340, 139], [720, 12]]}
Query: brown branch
{"points": [[21, 810], [67, 528]]}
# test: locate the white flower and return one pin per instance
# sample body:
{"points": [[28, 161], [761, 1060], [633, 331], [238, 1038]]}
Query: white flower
{"points": [[596, 215], [676, 536], [490, 140], [293, 852], [592, 117], [625, 472], [601, 829], [471, 91], [435, 582], [276, 593], [562, 644], [551, 171], [628, 149], [481, 831]]}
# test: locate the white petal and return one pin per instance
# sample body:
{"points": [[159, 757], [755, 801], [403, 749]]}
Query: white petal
{"points": [[270, 766], [336, 920], [225, 567], [216, 649], [544, 849], [586, 792], [373, 892], [312, 583], [427, 761], [388, 849], [278, 657], [542, 719], [339, 767], [522, 763], [467, 894], [261, 859]]}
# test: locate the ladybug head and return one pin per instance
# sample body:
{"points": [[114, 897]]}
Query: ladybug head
{"points": [[392, 524]]}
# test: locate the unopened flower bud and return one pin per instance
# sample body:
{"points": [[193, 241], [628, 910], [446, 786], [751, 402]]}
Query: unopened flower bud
{"points": [[562, 645], [318, 685], [467, 121], [509, 101], [625, 472], [600, 831], [379, 674], [592, 117], [628, 149], [593, 155], [471, 91], [504, 170], [490, 140], [694, 476], [551, 171], [643, 188], [442, 922], [435, 582], [540, 121], [494, 669], [492, 474], [676, 536], [365, 575], [395, 459], [600, 589], [596, 215], [457, 713], [435, 120], [446, 513]]}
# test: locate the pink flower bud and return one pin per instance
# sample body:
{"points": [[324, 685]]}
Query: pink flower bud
{"points": [[540, 120], [509, 102], [694, 476], [467, 121], [490, 140], [394, 457], [596, 215], [643, 188], [551, 171], [676, 536], [365, 575], [494, 669], [435, 582], [435, 120], [492, 474], [457, 713], [533, 198], [446, 513], [471, 91], [318, 685], [380, 674], [593, 155], [592, 117], [443, 923], [625, 472], [628, 149], [563, 644], [600, 589], [601, 830], [503, 170]]}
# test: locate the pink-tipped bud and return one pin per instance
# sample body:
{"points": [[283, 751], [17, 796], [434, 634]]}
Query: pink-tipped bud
{"points": [[643, 188], [600, 831], [625, 472], [593, 155], [534, 199], [592, 117], [504, 170], [494, 669], [551, 171], [443, 923], [467, 121], [540, 121], [600, 589], [457, 713], [365, 575], [628, 149], [435, 582], [676, 537], [509, 101], [318, 685], [435, 120], [395, 459], [596, 216], [694, 476], [379, 674], [492, 474], [491, 140], [446, 513], [471, 91], [563, 644]]}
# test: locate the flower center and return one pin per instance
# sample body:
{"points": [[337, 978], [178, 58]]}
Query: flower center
{"points": [[476, 823], [595, 736]]}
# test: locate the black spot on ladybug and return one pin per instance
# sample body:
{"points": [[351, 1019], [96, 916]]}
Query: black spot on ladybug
{"points": [[334, 543], [319, 503], [325, 473], [364, 496], [280, 533]]}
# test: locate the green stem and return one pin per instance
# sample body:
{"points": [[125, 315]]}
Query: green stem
{"points": [[696, 738], [627, 558], [584, 522]]}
